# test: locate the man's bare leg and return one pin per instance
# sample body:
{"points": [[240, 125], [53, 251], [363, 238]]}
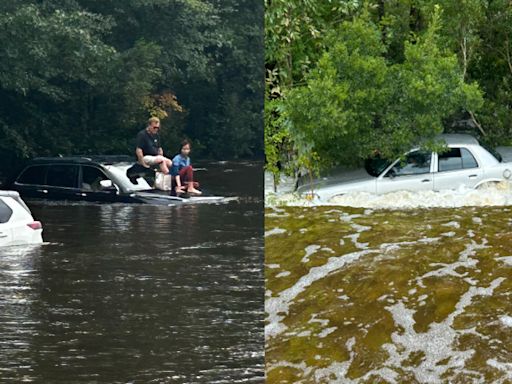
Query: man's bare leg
{"points": [[165, 164]]}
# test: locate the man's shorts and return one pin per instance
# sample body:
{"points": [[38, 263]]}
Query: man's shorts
{"points": [[153, 160]]}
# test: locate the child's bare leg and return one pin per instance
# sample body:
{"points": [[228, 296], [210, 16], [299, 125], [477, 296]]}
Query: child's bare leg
{"points": [[179, 187]]}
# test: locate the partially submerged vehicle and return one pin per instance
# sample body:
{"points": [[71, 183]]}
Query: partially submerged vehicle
{"points": [[17, 226], [111, 179], [466, 163]]}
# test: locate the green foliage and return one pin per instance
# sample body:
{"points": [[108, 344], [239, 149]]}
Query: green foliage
{"points": [[356, 103], [234, 127], [381, 76], [295, 30], [295, 33], [460, 28], [82, 76], [492, 68]]}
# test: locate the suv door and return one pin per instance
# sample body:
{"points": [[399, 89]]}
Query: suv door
{"points": [[6, 234], [457, 167], [414, 173], [62, 182], [32, 181], [91, 188]]}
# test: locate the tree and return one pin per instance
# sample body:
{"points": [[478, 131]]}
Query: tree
{"points": [[295, 37], [82, 76], [492, 68], [356, 103]]}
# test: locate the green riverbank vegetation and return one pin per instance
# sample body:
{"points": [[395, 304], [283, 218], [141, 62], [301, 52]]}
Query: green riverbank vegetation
{"points": [[83, 76], [347, 80]]}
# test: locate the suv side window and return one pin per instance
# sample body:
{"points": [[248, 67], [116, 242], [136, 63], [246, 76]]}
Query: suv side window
{"points": [[33, 175], [415, 163], [62, 175], [91, 178], [456, 158], [5, 212]]}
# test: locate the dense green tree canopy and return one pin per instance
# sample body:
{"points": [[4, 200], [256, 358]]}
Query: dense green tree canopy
{"points": [[347, 79], [82, 76]]}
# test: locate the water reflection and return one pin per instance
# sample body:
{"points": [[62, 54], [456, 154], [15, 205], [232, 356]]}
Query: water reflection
{"points": [[136, 294], [17, 278]]}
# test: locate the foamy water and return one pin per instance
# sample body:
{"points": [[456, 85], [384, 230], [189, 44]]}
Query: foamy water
{"points": [[498, 194], [372, 296]]}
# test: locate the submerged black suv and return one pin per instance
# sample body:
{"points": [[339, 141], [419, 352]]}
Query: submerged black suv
{"points": [[98, 179]]}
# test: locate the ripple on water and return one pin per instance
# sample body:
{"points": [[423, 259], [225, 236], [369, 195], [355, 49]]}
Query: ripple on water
{"points": [[398, 302], [136, 294]]}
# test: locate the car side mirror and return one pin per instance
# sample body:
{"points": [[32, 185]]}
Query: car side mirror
{"points": [[106, 184]]}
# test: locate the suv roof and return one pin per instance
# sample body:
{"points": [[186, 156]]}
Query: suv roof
{"points": [[100, 159]]}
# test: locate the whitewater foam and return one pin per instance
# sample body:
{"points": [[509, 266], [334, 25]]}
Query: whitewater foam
{"points": [[495, 194]]}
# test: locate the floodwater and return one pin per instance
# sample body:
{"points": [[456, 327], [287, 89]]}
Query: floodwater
{"points": [[406, 287], [491, 194], [139, 293], [360, 295]]}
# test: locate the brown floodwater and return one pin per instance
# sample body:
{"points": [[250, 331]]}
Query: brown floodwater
{"points": [[357, 295]]}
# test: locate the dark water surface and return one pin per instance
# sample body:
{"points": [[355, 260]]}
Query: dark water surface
{"points": [[139, 294]]}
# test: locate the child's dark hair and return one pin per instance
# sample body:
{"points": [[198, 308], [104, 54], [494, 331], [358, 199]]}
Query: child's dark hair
{"points": [[184, 143]]}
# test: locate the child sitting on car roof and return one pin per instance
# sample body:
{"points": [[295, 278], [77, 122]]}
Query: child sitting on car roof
{"points": [[182, 169]]}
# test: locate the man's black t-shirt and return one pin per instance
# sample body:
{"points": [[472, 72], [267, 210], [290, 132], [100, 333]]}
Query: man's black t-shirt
{"points": [[148, 143]]}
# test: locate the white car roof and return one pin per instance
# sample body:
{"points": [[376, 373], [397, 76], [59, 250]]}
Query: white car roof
{"points": [[118, 171], [458, 139], [16, 196], [12, 194]]}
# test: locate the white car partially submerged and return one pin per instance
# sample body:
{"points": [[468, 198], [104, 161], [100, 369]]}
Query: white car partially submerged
{"points": [[466, 164], [17, 226]]}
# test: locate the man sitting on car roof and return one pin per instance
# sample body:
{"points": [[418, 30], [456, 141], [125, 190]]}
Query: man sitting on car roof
{"points": [[149, 149]]}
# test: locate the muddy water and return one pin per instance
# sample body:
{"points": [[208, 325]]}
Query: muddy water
{"points": [[139, 293], [355, 295]]}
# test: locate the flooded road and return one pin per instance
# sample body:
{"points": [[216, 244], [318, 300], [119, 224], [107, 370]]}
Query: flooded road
{"points": [[140, 294], [356, 295]]}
